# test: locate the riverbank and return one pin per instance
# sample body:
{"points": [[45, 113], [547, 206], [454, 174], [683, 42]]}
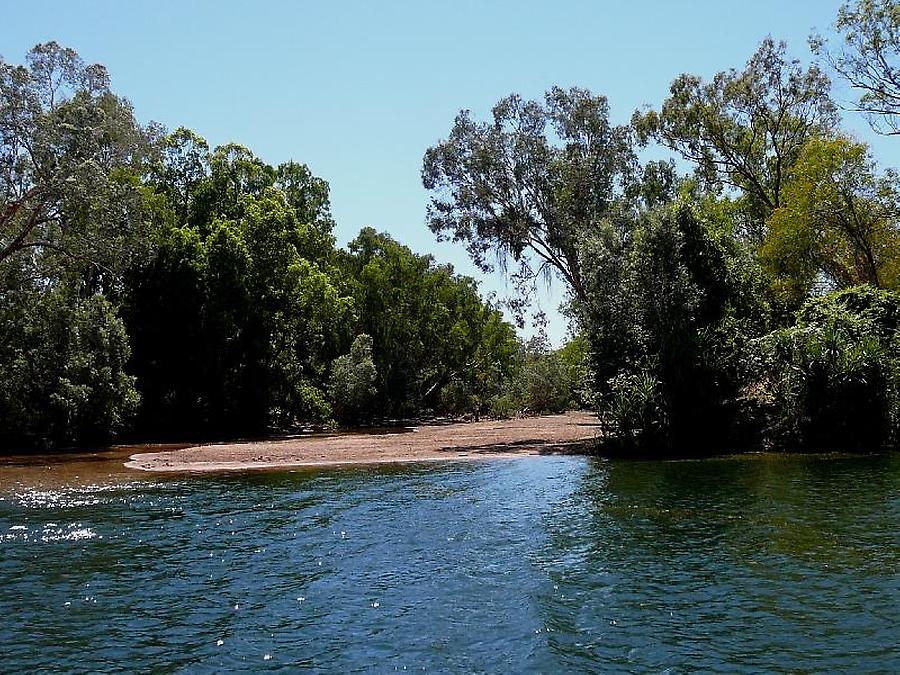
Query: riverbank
{"points": [[551, 434]]}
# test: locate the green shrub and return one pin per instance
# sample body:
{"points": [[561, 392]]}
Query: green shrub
{"points": [[352, 383], [663, 303], [831, 379], [505, 406], [457, 398], [635, 409], [546, 386]]}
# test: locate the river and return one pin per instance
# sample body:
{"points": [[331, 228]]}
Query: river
{"points": [[540, 564]]}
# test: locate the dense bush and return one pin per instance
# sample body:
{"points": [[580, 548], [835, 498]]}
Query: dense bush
{"points": [[660, 298], [830, 381], [437, 346], [203, 286], [264, 308], [62, 370], [544, 381]]}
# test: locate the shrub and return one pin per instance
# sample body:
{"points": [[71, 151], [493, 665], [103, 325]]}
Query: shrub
{"points": [[831, 379], [663, 301], [635, 409], [352, 383]]}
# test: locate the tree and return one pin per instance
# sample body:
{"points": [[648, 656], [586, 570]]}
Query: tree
{"points": [[665, 308], [528, 184], [838, 223], [62, 371], [183, 163], [429, 327], [869, 59], [306, 193], [243, 265], [745, 129], [70, 156], [546, 381]]}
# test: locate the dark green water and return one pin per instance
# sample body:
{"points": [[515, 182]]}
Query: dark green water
{"points": [[535, 564]]}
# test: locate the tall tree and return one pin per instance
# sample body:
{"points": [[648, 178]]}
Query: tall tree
{"points": [[243, 265], [527, 184], [70, 155], [745, 129], [428, 325], [869, 59]]}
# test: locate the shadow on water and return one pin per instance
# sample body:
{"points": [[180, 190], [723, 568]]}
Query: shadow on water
{"points": [[710, 563]]}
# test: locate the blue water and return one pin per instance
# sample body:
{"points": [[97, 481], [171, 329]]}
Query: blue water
{"points": [[540, 564]]}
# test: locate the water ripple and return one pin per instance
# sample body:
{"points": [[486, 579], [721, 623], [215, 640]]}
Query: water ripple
{"points": [[540, 564]]}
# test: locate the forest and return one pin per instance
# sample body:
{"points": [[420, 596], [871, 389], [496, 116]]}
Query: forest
{"points": [[742, 292]]}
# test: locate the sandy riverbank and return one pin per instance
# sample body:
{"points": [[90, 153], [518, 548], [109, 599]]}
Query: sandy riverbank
{"points": [[429, 443]]}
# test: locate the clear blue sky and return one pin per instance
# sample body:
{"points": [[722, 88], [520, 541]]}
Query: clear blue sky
{"points": [[359, 90]]}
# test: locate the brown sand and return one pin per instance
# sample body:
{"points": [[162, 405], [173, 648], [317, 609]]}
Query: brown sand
{"points": [[472, 440]]}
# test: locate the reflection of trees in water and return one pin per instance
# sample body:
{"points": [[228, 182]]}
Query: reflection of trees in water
{"points": [[747, 505], [669, 556]]}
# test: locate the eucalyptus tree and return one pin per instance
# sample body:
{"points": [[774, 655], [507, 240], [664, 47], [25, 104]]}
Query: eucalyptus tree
{"points": [[71, 155], [869, 59], [528, 184], [745, 129]]}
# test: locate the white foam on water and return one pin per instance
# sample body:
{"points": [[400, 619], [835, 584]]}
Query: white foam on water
{"points": [[73, 532]]}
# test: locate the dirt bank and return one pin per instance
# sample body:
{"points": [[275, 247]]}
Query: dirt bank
{"points": [[473, 440]]}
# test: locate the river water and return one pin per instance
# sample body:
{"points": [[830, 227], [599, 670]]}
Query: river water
{"points": [[539, 564]]}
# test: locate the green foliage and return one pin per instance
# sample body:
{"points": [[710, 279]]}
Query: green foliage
{"points": [[543, 381], [546, 380], [838, 223], [658, 303], [457, 398], [266, 307], [202, 288], [830, 380], [575, 357], [430, 329], [744, 129], [527, 184], [71, 221], [635, 408], [71, 156], [62, 370], [351, 386], [251, 289]]}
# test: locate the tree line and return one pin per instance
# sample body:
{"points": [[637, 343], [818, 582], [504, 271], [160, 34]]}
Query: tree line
{"points": [[753, 301], [152, 287]]}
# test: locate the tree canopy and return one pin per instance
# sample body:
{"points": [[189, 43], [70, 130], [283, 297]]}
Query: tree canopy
{"points": [[869, 59], [71, 159], [157, 287], [745, 129], [838, 225], [527, 184]]}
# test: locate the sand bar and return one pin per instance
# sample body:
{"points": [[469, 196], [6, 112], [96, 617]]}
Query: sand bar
{"points": [[551, 434]]}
